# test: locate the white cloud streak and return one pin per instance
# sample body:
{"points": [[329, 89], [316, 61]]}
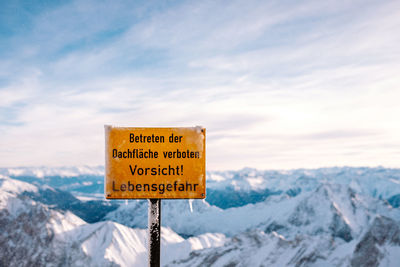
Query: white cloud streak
{"points": [[277, 84]]}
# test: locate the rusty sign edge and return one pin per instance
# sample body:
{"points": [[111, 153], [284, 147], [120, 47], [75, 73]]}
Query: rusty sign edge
{"points": [[201, 195]]}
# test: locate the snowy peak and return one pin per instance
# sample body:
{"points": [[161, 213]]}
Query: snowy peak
{"points": [[255, 248], [91, 211], [108, 241], [28, 236], [332, 208], [324, 217], [376, 182], [10, 189], [14, 186], [36, 235]]}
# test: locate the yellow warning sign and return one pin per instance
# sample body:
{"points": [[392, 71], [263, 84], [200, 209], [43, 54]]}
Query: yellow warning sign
{"points": [[155, 162]]}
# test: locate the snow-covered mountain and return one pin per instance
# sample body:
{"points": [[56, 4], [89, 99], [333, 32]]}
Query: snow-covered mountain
{"points": [[232, 188], [379, 246], [33, 234], [331, 209], [381, 183], [322, 217]]}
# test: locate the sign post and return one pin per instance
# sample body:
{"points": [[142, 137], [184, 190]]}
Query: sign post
{"points": [[154, 224], [154, 164]]}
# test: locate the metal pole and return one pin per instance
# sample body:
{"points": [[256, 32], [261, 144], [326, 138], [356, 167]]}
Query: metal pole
{"points": [[154, 224]]}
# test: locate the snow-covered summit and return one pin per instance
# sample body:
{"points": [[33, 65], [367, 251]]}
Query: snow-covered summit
{"points": [[321, 217], [35, 234], [378, 182]]}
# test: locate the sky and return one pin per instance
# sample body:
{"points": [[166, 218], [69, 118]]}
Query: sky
{"points": [[277, 84]]}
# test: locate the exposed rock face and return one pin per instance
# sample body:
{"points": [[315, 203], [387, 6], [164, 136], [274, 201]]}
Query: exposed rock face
{"points": [[340, 228], [370, 250], [330, 218], [259, 249], [28, 238], [379, 246], [33, 234]]}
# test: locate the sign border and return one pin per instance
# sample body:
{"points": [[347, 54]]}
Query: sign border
{"points": [[108, 127]]}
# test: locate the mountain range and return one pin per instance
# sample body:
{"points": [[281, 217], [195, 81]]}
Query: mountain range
{"points": [[322, 217]]}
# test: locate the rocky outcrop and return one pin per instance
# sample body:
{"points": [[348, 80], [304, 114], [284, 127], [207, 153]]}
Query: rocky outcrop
{"points": [[370, 250]]}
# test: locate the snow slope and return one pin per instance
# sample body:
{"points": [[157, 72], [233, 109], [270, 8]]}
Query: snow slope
{"points": [[34, 234], [323, 217], [331, 208]]}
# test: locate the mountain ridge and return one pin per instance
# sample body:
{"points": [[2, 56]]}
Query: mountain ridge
{"points": [[329, 217]]}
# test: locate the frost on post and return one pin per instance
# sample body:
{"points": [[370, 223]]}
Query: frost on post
{"points": [[154, 222]]}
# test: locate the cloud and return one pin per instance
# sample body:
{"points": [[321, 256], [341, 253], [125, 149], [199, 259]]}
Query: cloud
{"points": [[277, 84]]}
